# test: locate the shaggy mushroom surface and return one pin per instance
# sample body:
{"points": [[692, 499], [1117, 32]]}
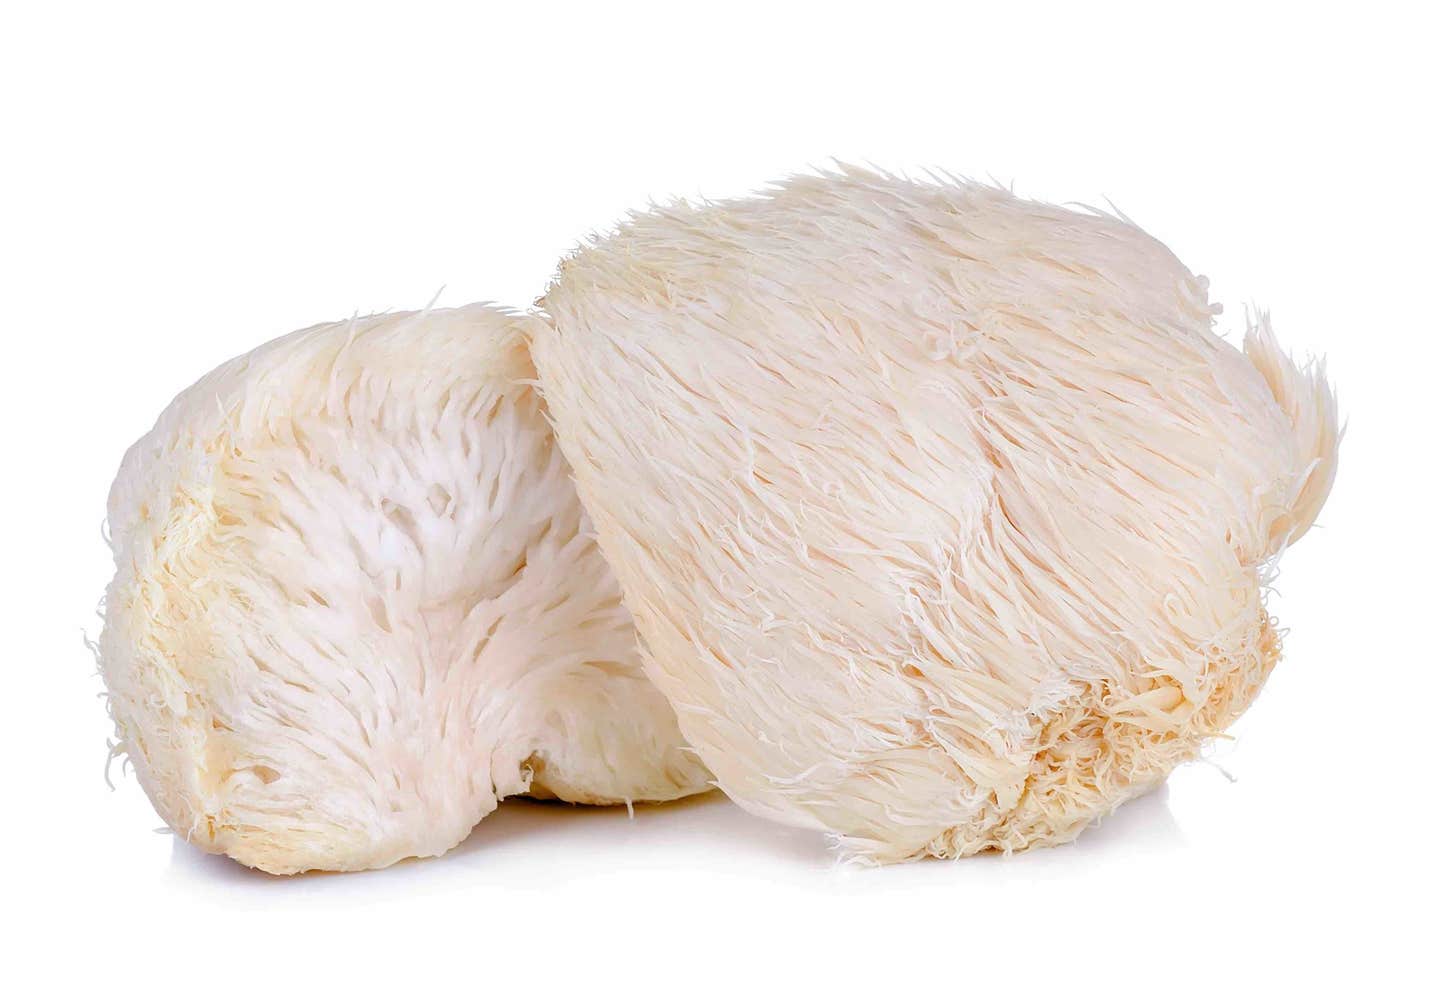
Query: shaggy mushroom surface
{"points": [[357, 602], [944, 516]]}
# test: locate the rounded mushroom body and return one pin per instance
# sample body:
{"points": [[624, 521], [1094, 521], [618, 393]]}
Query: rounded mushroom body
{"points": [[944, 516], [357, 602]]}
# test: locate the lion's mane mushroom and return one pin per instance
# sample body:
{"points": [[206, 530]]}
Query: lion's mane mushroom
{"points": [[356, 602], [944, 516]]}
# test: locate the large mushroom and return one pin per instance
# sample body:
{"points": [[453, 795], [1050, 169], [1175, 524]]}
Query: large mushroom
{"points": [[944, 515]]}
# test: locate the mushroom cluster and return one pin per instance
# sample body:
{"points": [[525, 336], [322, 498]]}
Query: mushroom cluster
{"points": [[942, 521]]}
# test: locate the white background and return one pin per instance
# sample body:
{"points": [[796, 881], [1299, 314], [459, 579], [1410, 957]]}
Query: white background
{"points": [[180, 183]]}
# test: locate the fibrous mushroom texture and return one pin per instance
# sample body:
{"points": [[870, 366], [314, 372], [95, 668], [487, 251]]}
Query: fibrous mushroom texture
{"points": [[356, 602], [944, 516]]}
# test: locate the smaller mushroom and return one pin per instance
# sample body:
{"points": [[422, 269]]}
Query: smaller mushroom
{"points": [[357, 603]]}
